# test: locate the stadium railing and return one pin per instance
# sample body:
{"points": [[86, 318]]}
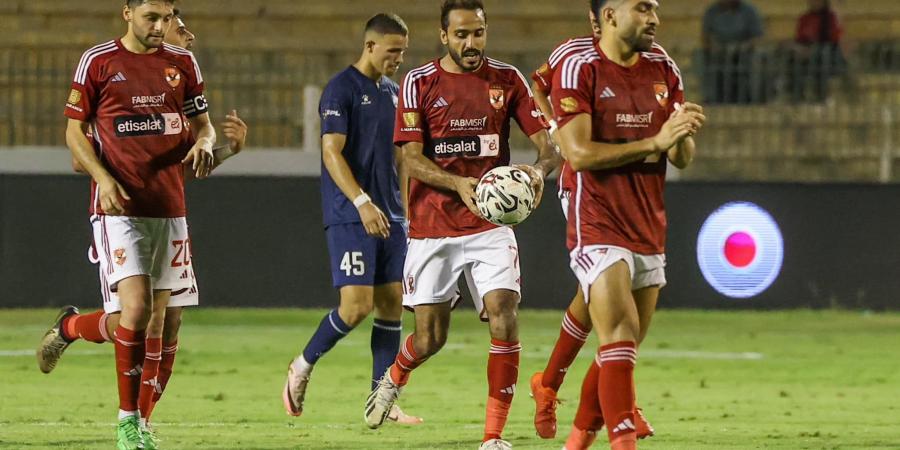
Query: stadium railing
{"points": [[784, 117]]}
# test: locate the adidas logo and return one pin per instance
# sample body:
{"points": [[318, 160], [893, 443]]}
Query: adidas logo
{"points": [[607, 93], [625, 426], [440, 103], [155, 384], [511, 390], [134, 371], [118, 77], [184, 275]]}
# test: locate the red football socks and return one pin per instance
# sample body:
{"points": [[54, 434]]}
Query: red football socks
{"points": [[149, 375], [616, 389], [405, 363], [90, 327], [502, 371], [572, 335], [589, 416], [129, 361]]}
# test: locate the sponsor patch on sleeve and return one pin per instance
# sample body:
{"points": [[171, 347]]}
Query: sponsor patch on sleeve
{"points": [[568, 104], [74, 97]]}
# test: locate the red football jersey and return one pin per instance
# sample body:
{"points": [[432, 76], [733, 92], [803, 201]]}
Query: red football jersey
{"points": [[138, 106], [463, 122], [544, 74], [544, 78], [622, 206]]}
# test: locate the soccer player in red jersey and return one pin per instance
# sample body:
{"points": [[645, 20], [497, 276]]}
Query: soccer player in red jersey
{"points": [[141, 99], [453, 126], [99, 326], [576, 324], [621, 115]]}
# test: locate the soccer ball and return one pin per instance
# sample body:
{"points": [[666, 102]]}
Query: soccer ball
{"points": [[504, 196]]}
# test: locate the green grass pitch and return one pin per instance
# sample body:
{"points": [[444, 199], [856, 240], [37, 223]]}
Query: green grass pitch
{"points": [[706, 380]]}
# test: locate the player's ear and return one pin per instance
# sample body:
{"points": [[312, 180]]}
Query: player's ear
{"points": [[370, 46], [444, 37], [608, 15], [126, 13], [595, 24]]}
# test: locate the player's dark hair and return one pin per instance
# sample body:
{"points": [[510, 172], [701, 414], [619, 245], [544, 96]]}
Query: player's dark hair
{"points": [[176, 12], [597, 5], [135, 3], [450, 5], [387, 23]]}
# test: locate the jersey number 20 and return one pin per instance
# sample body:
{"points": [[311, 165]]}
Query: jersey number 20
{"points": [[352, 262]]}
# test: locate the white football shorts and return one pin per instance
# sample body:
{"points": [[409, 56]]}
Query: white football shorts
{"points": [[489, 260], [156, 247], [593, 260]]}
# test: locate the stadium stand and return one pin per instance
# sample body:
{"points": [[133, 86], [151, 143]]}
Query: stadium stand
{"points": [[259, 55]]}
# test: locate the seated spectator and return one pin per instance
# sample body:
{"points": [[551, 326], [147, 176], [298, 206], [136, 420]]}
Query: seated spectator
{"points": [[730, 28], [817, 53]]}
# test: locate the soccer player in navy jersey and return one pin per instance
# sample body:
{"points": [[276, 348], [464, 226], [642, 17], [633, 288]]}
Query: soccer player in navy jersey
{"points": [[453, 124], [622, 118], [99, 326], [362, 207]]}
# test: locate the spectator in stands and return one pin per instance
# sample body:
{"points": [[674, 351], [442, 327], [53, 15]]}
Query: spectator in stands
{"points": [[730, 30], [816, 53]]}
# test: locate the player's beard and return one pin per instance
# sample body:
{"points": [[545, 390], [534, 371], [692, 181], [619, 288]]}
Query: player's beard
{"points": [[150, 41], [458, 58]]}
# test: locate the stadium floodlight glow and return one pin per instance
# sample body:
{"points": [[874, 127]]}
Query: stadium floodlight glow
{"points": [[740, 250]]}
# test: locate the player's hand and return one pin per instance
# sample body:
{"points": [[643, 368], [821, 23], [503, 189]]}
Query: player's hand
{"points": [[689, 107], [236, 131], [465, 187], [537, 183], [374, 221], [201, 158], [679, 126], [112, 196]]}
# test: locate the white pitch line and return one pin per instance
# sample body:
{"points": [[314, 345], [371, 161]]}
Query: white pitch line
{"points": [[31, 352]]}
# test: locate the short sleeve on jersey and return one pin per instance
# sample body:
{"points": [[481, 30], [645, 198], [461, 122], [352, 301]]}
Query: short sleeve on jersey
{"points": [[194, 101], [81, 103], [526, 113], [409, 123], [543, 78], [573, 87], [334, 109]]}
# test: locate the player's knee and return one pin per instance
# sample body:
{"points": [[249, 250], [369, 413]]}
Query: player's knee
{"points": [[355, 313], [138, 312]]}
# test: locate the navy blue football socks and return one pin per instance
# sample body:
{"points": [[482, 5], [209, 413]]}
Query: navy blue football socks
{"points": [[385, 345]]}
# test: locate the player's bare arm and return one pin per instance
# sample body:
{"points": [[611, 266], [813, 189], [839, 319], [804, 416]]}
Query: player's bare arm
{"points": [[425, 170], [111, 193], [200, 156], [548, 160], [403, 179], [683, 152], [373, 219], [584, 154]]}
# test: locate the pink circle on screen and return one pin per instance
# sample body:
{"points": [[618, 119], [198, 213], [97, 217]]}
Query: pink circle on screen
{"points": [[740, 249]]}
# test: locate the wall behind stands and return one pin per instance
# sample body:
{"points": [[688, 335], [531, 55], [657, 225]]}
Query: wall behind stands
{"points": [[258, 242]]}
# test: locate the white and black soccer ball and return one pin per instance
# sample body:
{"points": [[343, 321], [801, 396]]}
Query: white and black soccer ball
{"points": [[504, 196]]}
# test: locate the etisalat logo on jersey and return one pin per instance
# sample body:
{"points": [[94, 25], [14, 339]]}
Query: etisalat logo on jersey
{"points": [[484, 145], [148, 125]]}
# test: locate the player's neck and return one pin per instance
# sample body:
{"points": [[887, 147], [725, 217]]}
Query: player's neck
{"points": [[449, 65], [133, 45], [618, 52], [367, 69]]}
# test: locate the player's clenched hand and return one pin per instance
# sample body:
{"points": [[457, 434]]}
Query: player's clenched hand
{"points": [[201, 158], [374, 221], [689, 107], [111, 195], [537, 182], [679, 126], [465, 187]]}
